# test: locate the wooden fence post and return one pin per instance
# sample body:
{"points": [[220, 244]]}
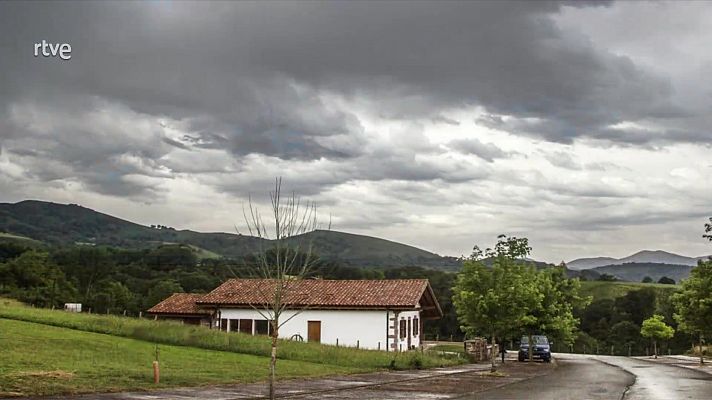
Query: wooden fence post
{"points": [[156, 369]]}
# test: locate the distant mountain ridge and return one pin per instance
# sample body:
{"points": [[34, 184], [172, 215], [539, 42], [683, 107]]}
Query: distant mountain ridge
{"points": [[65, 224], [645, 256], [635, 272]]}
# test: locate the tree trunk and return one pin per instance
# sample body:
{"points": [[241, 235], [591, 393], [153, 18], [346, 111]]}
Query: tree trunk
{"points": [[531, 347], [273, 362], [702, 358], [655, 349], [492, 354]]}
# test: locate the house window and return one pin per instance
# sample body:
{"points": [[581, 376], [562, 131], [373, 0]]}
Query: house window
{"points": [[233, 325], [223, 324], [403, 329], [246, 326], [416, 326], [261, 327]]}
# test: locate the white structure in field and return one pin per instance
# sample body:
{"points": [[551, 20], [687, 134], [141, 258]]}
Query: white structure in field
{"points": [[373, 314], [362, 328]]}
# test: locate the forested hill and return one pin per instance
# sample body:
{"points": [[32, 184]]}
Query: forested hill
{"points": [[62, 224]]}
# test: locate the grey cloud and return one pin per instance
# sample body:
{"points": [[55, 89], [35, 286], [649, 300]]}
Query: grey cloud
{"points": [[486, 151], [445, 120], [110, 149], [563, 160]]}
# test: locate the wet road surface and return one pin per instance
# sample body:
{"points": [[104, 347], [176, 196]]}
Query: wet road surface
{"points": [[605, 377], [574, 378], [655, 380]]}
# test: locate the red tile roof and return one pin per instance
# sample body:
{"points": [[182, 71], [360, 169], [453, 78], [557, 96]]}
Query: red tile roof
{"points": [[396, 293], [179, 303]]}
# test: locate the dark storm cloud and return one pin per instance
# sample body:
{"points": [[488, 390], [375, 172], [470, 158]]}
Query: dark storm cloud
{"points": [[271, 78], [255, 69]]}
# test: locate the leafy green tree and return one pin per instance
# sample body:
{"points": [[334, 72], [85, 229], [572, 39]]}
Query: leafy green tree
{"points": [[112, 297], [624, 334], [607, 278], [554, 315], [667, 281], [496, 301], [34, 278], [693, 304], [596, 318], [169, 257], [647, 279], [86, 265], [635, 305], [10, 250], [655, 328], [162, 290]]}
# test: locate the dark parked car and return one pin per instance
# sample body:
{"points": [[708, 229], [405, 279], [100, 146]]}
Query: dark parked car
{"points": [[542, 350]]}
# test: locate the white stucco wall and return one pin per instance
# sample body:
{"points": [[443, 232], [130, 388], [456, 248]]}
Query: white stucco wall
{"points": [[367, 327], [401, 344]]}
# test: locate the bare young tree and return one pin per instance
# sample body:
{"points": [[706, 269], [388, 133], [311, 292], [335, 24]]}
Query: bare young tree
{"points": [[284, 259]]}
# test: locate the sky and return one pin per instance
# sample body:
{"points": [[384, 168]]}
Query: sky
{"points": [[585, 127]]}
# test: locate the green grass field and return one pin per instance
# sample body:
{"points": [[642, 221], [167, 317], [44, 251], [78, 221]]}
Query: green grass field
{"points": [[41, 360], [611, 290], [165, 332], [450, 347], [50, 352]]}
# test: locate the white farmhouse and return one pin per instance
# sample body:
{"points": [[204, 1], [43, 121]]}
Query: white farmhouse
{"points": [[373, 314]]}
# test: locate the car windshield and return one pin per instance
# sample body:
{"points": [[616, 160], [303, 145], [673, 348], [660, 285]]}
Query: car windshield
{"points": [[537, 340]]}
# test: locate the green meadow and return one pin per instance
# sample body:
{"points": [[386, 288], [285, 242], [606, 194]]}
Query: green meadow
{"points": [[52, 352]]}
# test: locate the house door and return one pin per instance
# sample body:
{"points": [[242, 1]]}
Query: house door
{"points": [[409, 332], [314, 331]]}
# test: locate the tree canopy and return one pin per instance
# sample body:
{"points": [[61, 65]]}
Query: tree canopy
{"points": [[655, 328], [693, 303], [511, 297]]}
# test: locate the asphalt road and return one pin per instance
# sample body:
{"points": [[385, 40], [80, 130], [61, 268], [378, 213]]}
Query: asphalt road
{"points": [[604, 377]]}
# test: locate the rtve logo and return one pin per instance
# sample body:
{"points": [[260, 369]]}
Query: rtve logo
{"points": [[61, 50]]}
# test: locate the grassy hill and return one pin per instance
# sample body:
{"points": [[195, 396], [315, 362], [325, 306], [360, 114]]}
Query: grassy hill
{"points": [[21, 240], [610, 290], [61, 224], [367, 251]]}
